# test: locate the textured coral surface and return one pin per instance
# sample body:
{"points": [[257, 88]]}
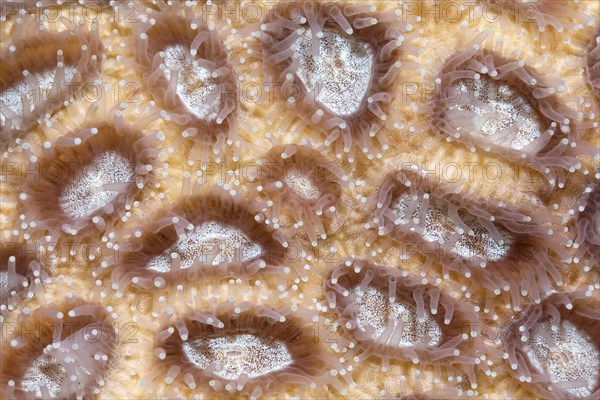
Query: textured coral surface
{"points": [[300, 199]]}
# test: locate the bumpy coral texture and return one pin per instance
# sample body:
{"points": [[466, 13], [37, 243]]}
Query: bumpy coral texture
{"points": [[372, 199]]}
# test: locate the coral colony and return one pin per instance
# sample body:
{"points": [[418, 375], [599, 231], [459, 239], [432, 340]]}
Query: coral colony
{"points": [[300, 199]]}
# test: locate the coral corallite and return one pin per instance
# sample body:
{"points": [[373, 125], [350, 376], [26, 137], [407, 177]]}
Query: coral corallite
{"points": [[302, 199]]}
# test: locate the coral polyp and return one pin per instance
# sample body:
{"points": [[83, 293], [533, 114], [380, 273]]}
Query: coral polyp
{"points": [[58, 351], [300, 181], [352, 73], [500, 247], [502, 105], [88, 178], [335, 65], [587, 226], [553, 347], [244, 350], [40, 70], [186, 67], [21, 275], [206, 236], [398, 317]]}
